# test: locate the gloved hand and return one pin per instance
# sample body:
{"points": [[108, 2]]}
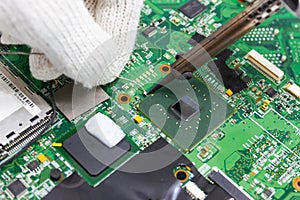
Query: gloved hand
{"points": [[89, 41]]}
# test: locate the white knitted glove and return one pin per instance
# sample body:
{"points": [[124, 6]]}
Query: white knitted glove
{"points": [[92, 51]]}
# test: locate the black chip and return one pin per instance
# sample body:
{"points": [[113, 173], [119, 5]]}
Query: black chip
{"points": [[102, 156], [33, 165], [247, 80], [192, 8], [150, 31], [196, 39], [239, 72], [16, 188], [228, 76], [185, 108], [268, 192], [271, 92], [225, 54], [249, 111]]}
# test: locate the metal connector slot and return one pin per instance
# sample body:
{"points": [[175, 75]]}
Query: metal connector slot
{"points": [[24, 115], [265, 66]]}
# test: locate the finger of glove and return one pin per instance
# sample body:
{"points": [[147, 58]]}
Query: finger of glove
{"points": [[66, 33], [91, 6], [7, 39], [41, 68], [120, 19]]}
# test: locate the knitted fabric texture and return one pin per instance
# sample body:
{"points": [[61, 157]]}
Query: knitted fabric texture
{"points": [[89, 41]]}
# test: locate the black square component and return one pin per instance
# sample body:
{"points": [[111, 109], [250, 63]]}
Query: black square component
{"points": [[33, 165], [96, 159], [271, 92], [16, 188], [247, 80], [185, 108], [196, 39], [192, 8], [150, 31]]}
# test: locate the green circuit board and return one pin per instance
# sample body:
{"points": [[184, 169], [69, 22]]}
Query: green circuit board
{"points": [[256, 145]]}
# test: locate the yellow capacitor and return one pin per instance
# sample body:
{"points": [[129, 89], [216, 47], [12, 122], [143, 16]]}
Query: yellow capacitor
{"points": [[42, 158], [138, 119], [56, 144], [229, 92]]}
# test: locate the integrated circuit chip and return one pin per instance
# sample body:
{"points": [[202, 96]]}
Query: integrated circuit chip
{"points": [[196, 39], [225, 54], [271, 92], [229, 77], [91, 154], [247, 80], [169, 108], [150, 31], [16, 188], [185, 108], [192, 8], [239, 72], [33, 165]]}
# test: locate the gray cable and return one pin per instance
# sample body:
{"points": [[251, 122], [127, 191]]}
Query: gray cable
{"points": [[19, 53]]}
